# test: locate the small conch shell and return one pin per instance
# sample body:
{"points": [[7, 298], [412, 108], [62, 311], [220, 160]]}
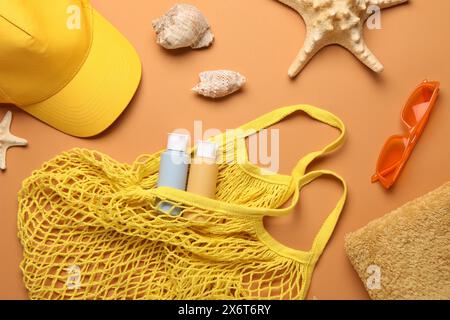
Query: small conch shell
{"points": [[183, 26], [219, 83]]}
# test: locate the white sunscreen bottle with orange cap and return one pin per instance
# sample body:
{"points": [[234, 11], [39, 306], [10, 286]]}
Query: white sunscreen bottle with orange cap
{"points": [[204, 170]]}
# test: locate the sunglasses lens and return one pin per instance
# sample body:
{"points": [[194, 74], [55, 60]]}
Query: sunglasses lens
{"points": [[418, 105], [391, 156]]}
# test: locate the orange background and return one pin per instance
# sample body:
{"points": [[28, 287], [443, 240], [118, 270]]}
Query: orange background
{"points": [[260, 38]]}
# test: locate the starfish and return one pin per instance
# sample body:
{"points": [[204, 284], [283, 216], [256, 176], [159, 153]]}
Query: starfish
{"points": [[7, 140], [338, 22]]}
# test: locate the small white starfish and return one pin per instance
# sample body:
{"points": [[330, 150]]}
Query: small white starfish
{"points": [[338, 22], [7, 140]]}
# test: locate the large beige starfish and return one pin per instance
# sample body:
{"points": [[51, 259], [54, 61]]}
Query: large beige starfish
{"points": [[7, 140], [336, 22]]}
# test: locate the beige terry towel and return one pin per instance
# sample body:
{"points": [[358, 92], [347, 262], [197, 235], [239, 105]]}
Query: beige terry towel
{"points": [[406, 254]]}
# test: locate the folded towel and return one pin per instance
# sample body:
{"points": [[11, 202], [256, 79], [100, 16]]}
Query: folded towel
{"points": [[406, 254]]}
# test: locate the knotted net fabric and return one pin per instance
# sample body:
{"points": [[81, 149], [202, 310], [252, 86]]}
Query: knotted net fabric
{"points": [[90, 229]]}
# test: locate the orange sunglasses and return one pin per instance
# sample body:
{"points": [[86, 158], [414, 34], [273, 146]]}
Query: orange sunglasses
{"points": [[398, 148]]}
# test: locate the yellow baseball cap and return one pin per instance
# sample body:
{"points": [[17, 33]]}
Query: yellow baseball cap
{"points": [[63, 63]]}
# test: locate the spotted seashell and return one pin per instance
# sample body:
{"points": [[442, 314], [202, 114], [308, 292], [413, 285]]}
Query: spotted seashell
{"points": [[219, 83]]}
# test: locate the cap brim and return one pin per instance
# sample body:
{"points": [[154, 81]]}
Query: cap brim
{"points": [[100, 91]]}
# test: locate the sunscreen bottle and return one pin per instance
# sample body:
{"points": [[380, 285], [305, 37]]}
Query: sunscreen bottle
{"points": [[173, 169], [204, 170]]}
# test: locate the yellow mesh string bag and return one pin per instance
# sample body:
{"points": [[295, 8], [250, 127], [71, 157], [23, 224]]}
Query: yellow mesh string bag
{"points": [[90, 228]]}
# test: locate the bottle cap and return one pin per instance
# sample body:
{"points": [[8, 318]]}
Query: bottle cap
{"points": [[178, 142], [207, 149]]}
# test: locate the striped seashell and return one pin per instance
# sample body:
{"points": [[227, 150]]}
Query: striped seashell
{"points": [[183, 26]]}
